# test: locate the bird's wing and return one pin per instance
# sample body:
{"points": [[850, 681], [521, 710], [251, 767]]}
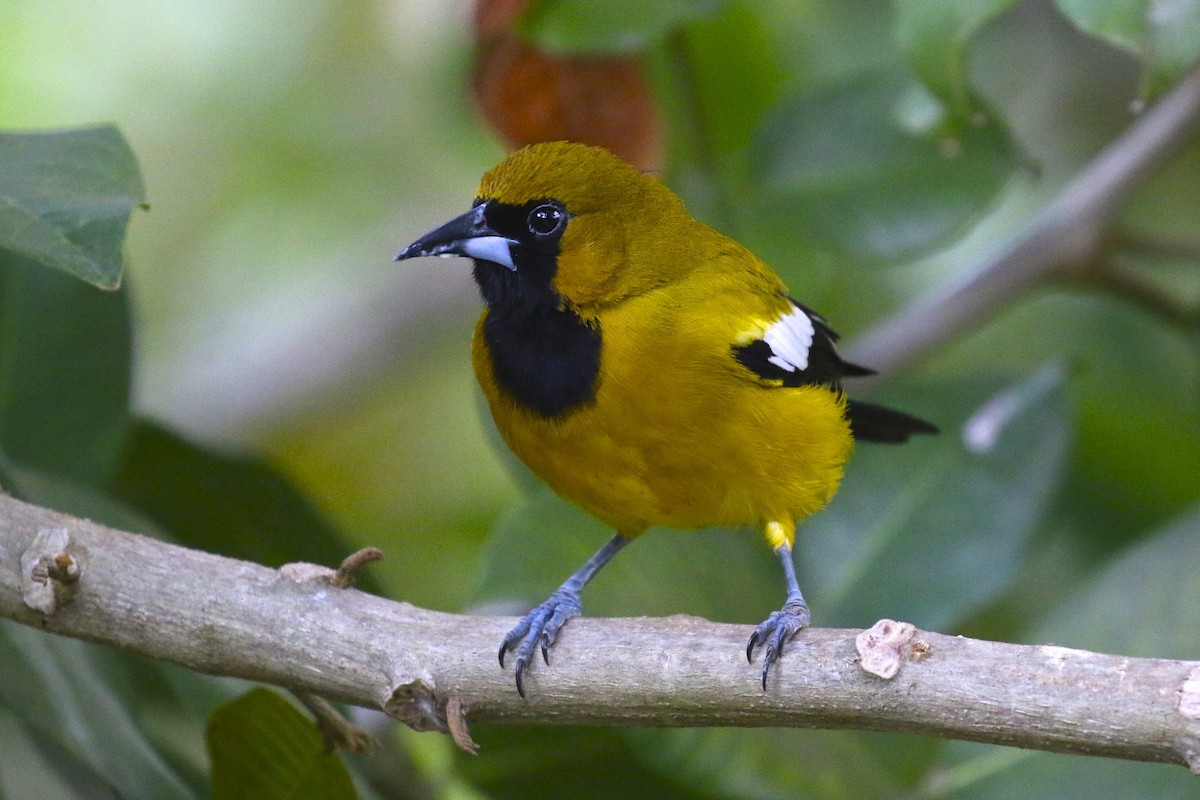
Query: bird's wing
{"points": [[797, 348], [870, 422]]}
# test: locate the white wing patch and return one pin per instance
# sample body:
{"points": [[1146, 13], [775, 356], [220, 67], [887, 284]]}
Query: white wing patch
{"points": [[790, 338]]}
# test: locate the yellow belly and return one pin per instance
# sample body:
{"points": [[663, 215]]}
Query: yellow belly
{"points": [[687, 444]]}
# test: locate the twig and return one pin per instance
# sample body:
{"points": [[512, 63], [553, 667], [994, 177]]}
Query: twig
{"points": [[1150, 245], [1108, 275], [226, 617], [338, 732], [1069, 230], [343, 578]]}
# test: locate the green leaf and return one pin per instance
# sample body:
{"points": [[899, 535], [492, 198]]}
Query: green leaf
{"points": [[874, 167], [31, 765], [784, 764], [995, 773], [1119, 611], [52, 685], [607, 26], [731, 102], [235, 505], [524, 762], [1165, 34], [940, 541], [262, 748], [1121, 22], [1175, 38], [65, 200], [65, 371], [70, 497], [934, 34], [1133, 384], [1141, 604]]}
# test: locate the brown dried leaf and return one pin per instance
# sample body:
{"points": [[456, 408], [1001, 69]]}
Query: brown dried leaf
{"points": [[490, 17], [527, 95]]}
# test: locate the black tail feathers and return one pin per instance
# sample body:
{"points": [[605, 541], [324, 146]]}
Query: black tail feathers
{"points": [[874, 423]]}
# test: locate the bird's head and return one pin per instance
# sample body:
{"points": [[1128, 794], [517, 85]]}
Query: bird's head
{"points": [[566, 221]]}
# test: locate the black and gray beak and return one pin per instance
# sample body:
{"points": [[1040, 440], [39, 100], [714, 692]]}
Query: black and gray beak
{"points": [[468, 235]]}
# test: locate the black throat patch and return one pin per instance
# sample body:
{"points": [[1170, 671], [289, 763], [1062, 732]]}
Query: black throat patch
{"points": [[542, 352], [547, 358]]}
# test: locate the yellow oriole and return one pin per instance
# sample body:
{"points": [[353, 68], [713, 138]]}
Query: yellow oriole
{"points": [[649, 369]]}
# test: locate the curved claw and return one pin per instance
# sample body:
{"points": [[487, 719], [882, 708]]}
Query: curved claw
{"points": [[750, 645], [537, 630], [774, 632]]}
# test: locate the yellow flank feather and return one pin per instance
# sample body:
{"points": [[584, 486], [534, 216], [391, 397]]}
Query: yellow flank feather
{"points": [[648, 368]]}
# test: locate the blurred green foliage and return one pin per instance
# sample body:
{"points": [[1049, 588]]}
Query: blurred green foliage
{"points": [[68, 196], [268, 385], [263, 748]]}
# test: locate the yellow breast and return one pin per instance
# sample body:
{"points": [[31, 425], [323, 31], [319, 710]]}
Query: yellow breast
{"points": [[679, 434]]}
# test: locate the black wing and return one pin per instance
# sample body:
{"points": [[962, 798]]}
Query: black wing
{"points": [[821, 365], [870, 422]]}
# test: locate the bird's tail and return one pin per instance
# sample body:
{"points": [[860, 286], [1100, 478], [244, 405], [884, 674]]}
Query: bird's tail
{"points": [[874, 423]]}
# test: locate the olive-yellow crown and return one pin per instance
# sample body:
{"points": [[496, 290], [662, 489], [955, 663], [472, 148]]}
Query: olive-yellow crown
{"points": [[585, 178], [627, 233]]}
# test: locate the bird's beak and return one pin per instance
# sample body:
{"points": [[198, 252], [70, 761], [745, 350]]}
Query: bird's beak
{"points": [[468, 235]]}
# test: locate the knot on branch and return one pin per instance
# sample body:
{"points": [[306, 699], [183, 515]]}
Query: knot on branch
{"points": [[884, 647], [304, 572], [417, 705], [49, 573]]}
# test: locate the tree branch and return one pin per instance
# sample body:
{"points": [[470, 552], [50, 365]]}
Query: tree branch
{"points": [[1110, 276], [1071, 229], [292, 628]]}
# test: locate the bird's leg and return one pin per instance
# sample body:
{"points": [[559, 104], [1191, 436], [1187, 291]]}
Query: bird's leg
{"points": [[784, 623], [541, 625]]}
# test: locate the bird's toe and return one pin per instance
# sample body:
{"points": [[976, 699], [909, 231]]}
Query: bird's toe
{"points": [[538, 630], [774, 632]]}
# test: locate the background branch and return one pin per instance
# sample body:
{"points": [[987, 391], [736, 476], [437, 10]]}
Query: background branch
{"points": [[292, 628], [1068, 231]]}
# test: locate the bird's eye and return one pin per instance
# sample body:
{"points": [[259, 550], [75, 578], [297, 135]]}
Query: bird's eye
{"points": [[546, 220]]}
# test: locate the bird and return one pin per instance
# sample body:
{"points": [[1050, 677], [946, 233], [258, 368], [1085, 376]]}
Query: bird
{"points": [[650, 370]]}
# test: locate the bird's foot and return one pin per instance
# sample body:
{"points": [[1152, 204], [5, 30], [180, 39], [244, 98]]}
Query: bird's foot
{"points": [[774, 633], [539, 627]]}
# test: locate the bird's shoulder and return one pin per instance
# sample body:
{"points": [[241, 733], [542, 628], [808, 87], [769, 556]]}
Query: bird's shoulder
{"points": [[733, 312]]}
